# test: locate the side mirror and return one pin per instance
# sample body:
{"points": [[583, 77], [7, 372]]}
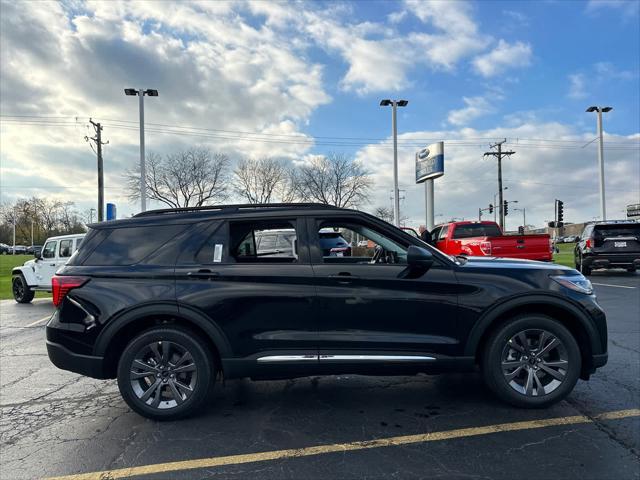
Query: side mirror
{"points": [[37, 255], [419, 257]]}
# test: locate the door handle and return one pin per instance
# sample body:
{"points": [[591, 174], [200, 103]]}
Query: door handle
{"points": [[519, 246], [344, 278], [203, 273]]}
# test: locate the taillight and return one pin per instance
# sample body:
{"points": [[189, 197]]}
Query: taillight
{"points": [[587, 243], [485, 247], [61, 285]]}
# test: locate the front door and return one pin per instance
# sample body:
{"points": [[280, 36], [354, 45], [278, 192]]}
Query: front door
{"points": [[47, 265], [370, 303]]}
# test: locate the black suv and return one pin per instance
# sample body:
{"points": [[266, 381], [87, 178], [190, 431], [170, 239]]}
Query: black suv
{"points": [[170, 301], [609, 244]]}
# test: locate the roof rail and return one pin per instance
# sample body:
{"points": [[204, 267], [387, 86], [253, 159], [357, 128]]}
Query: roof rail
{"points": [[233, 208]]}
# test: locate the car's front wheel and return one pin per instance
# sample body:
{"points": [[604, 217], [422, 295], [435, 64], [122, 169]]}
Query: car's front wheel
{"points": [[166, 373], [21, 291], [531, 361]]}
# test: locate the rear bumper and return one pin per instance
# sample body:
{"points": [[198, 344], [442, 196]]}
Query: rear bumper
{"points": [[612, 260], [65, 359]]}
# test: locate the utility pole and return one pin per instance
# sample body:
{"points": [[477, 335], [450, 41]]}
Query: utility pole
{"points": [[499, 154], [98, 141], [13, 251]]}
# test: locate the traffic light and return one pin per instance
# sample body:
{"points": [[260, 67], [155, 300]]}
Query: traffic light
{"points": [[521, 230], [505, 208], [490, 208], [560, 211]]}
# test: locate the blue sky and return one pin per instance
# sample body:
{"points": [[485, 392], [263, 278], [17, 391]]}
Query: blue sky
{"points": [[473, 72]]}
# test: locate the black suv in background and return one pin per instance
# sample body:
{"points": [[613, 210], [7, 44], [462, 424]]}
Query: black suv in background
{"points": [[609, 244], [170, 301]]}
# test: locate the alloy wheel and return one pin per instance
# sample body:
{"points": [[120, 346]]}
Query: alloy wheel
{"points": [[18, 289], [534, 362], [163, 374]]}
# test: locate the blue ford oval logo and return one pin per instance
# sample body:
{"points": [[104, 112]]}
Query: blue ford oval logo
{"points": [[424, 153]]}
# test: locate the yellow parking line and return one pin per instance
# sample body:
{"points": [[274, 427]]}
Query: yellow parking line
{"points": [[343, 447]]}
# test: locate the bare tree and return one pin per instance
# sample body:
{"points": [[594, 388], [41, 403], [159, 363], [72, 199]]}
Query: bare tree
{"points": [[194, 177], [384, 213], [263, 180], [335, 179]]}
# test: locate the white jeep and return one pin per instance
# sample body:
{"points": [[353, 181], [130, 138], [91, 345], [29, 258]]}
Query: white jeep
{"points": [[36, 274]]}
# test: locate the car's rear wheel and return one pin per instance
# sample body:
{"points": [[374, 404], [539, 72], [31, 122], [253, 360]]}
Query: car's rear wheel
{"points": [[585, 270], [21, 291], [166, 373], [531, 361]]}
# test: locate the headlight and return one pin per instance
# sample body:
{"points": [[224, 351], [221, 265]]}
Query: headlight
{"points": [[577, 283]]}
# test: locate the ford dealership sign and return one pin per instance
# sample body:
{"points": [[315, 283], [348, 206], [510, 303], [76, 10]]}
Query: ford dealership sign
{"points": [[430, 162]]}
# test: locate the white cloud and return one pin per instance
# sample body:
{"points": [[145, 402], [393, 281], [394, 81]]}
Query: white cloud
{"points": [[536, 175], [397, 17], [577, 86], [626, 7], [475, 107], [502, 57]]}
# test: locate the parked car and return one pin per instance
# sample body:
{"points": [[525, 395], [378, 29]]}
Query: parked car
{"points": [[170, 301], [609, 244], [18, 250], [571, 239], [36, 274], [4, 249], [34, 249], [333, 244], [275, 243], [485, 239]]}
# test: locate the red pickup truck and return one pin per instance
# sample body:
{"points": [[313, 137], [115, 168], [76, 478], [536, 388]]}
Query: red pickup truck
{"points": [[485, 239]]}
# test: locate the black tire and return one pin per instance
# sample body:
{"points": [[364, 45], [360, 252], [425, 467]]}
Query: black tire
{"points": [[585, 270], [499, 342], [21, 291], [177, 338]]}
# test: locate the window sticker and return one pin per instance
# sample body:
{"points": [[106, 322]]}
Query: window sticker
{"points": [[217, 253]]}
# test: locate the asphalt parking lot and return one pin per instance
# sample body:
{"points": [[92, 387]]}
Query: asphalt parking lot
{"points": [[56, 423]]}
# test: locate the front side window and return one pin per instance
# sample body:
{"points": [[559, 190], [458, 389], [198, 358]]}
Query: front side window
{"points": [[263, 242], [66, 247], [355, 243], [49, 250], [443, 232]]}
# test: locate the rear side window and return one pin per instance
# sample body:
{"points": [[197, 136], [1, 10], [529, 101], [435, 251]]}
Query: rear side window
{"points": [[126, 246], [66, 248], [263, 241], [476, 230]]}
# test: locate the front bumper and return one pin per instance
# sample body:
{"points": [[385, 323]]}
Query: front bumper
{"points": [[65, 359]]}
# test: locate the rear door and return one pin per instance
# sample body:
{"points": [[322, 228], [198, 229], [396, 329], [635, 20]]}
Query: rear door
{"points": [[263, 301], [618, 238]]}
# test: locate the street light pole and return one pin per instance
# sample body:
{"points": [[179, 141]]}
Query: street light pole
{"points": [[143, 171], [396, 192], [599, 110]]}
